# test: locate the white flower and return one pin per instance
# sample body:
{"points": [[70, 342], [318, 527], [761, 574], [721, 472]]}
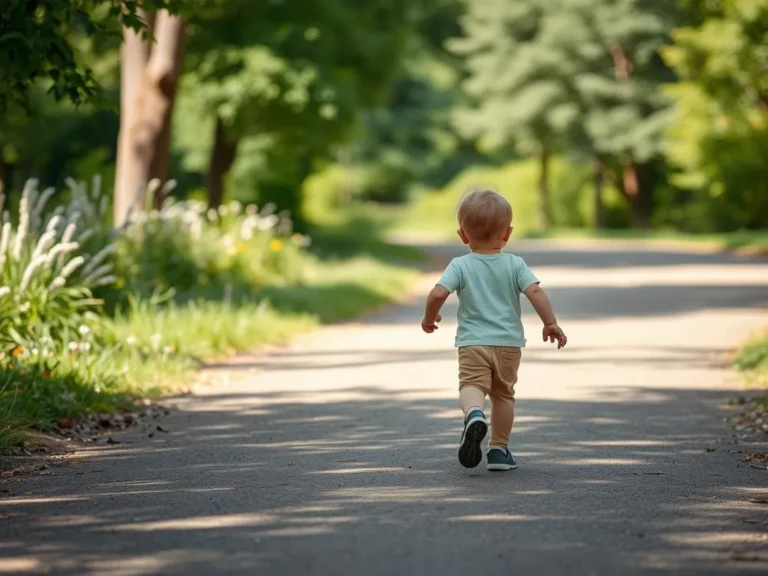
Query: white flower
{"points": [[24, 214], [213, 215], [30, 270], [86, 346], [72, 346], [100, 256], [71, 266], [40, 206], [58, 282], [103, 281], [155, 340], [131, 341], [44, 243], [267, 223], [4, 291], [97, 274], [84, 330], [53, 223], [223, 210], [168, 350], [69, 231]]}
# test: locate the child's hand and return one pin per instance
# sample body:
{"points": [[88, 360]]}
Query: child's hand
{"points": [[553, 332], [430, 327]]}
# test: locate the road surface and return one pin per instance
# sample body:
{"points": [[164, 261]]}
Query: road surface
{"points": [[337, 455]]}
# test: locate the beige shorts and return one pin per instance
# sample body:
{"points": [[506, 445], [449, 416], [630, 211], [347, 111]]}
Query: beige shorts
{"points": [[492, 369]]}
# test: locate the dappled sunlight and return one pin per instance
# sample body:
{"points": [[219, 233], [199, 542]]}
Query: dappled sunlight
{"points": [[346, 442]]}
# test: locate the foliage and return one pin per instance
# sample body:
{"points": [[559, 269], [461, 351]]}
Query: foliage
{"points": [[45, 279], [233, 278], [517, 181], [719, 141], [36, 44]]}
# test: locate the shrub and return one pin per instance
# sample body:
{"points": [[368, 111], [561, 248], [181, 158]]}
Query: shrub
{"points": [[46, 280]]}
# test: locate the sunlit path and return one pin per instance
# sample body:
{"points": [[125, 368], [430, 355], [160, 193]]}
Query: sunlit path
{"points": [[337, 455]]}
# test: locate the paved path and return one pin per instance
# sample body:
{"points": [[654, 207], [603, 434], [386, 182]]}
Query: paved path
{"points": [[337, 456]]}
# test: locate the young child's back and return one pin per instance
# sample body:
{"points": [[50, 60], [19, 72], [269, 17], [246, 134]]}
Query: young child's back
{"points": [[490, 331], [489, 288]]}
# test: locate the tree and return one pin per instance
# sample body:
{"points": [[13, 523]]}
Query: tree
{"points": [[521, 87], [617, 76], [149, 73], [36, 44], [292, 79], [719, 141]]}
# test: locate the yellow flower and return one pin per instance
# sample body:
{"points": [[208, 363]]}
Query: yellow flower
{"points": [[240, 246], [17, 351], [120, 283], [275, 245]]}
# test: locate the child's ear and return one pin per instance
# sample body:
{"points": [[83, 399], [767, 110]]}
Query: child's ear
{"points": [[507, 234], [463, 236]]}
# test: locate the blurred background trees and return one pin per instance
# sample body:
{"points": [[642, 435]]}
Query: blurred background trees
{"points": [[587, 113]]}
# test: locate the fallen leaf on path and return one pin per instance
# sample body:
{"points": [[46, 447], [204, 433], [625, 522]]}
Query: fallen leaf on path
{"points": [[756, 457], [758, 500], [161, 429], [111, 440], [4, 516]]}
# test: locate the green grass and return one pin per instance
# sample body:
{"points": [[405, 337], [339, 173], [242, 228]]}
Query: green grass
{"points": [[153, 351], [752, 358]]}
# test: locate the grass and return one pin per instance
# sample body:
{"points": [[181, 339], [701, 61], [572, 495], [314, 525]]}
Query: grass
{"points": [[153, 351], [752, 359]]}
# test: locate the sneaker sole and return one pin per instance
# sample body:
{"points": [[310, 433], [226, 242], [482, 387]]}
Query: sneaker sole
{"points": [[470, 451], [501, 467]]}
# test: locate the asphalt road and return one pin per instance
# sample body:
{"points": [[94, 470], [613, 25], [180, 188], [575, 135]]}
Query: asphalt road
{"points": [[337, 455]]}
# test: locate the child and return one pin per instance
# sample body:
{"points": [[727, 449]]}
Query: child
{"points": [[490, 333]]}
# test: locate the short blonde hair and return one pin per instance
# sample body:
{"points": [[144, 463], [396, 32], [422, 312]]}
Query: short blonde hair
{"points": [[483, 213]]}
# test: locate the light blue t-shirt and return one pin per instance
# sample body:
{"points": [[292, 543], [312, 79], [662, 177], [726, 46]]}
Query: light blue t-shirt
{"points": [[489, 288]]}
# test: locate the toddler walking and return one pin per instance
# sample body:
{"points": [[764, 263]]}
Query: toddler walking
{"points": [[490, 333]]}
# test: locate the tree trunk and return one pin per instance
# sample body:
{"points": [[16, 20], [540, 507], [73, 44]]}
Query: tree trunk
{"points": [[134, 53], [223, 156], [599, 179], [544, 189], [147, 132], [633, 193]]}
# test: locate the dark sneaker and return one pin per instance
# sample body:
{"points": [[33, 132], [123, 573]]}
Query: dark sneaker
{"points": [[501, 460], [475, 429]]}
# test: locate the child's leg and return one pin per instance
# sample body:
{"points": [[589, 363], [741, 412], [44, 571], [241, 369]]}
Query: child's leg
{"points": [[475, 374], [506, 364]]}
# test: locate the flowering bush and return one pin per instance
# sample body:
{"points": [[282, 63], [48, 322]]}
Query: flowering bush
{"points": [[46, 280], [185, 246]]}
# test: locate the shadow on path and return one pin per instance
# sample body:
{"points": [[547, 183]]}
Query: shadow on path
{"points": [[264, 484]]}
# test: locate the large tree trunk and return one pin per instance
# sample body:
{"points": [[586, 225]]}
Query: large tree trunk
{"points": [[544, 220], [134, 54], [223, 156], [599, 180], [148, 129]]}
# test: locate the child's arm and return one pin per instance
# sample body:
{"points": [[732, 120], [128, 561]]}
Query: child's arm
{"points": [[435, 301], [541, 304]]}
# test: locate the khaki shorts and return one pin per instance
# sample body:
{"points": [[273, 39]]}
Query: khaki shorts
{"points": [[492, 369]]}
